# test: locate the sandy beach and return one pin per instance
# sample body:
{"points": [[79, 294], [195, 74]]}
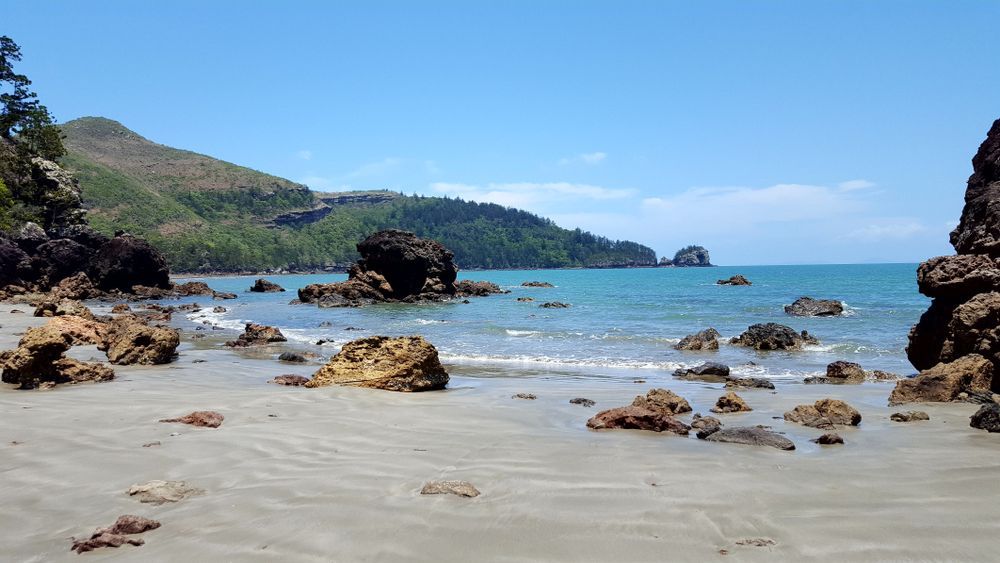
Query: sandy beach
{"points": [[334, 474]]}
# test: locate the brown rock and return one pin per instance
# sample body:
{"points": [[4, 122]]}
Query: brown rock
{"points": [[729, 403], [61, 307], [707, 339], [749, 383], [829, 439], [469, 288], [663, 400], [38, 361], [75, 371], [131, 342], [76, 287], [735, 280], [80, 330], [104, 539], [255, 334], [841, 372], [582, 402], [121, 308], [944, 382], [809, 307], [293, 380], [705, 425], [192, 288], [909, 416], [458, 488], [207, 419], [637, 418], [407, 363], [958, 277], [825, 413], [265, 286]]}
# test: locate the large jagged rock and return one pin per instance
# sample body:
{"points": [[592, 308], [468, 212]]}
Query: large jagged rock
{"points": [[127, 261], [129, 340], [38, 361], [730, 402], [78, 286], [58, 259], [964, 316], [81, 330], [707, 339], [691, 256], [395, 266], [710, 372], [58, 308], [945, 381], [809, 307], [773, 336], [407, 363]]}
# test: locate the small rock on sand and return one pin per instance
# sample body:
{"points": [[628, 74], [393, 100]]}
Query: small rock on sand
{"points": [[638, 418], [115, 535], [986, 418], [909, 416], [288, 379], [292, 357], [730, 402], [755, 542], [751, 435], [208, 419], [160, 492], [460, 488], [829, 439], [151, 444], [528, 396], [582, 402]]}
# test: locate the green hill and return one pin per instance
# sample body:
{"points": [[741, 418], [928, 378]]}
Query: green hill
{"points": [[208, 215]]}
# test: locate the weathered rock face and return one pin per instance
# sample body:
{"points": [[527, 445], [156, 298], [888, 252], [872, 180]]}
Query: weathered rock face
{"points": [[637, 418], [691, 256], [738, 279], [51, 308], [809, 307], [61, 192], [664, 400], [126, 261], [265, 286], [408, 363], [129, 343], [78, 286], [964, 316], [707, 339], [38, 361], [945, 381], [825, 413], [773, 336]]}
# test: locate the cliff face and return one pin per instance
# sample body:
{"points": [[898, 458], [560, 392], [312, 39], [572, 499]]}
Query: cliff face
{"points": [[964, 316]]}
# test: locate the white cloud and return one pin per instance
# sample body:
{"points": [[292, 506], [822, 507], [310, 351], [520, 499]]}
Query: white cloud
{"points": [[852, 185], [530, 194], [304, 154], [590, 158]]}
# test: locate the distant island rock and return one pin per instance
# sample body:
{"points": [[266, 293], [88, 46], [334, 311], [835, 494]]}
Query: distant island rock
{"points": [[692, 256], [735, 280]]}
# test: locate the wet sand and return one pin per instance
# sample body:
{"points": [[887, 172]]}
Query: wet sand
{"points": [[335, 473]]}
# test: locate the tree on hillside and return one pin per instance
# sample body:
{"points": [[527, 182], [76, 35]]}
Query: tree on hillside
{"points": [[22, 117]]}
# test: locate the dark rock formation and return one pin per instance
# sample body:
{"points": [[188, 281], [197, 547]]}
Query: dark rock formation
{"points": [[841, 372], [735, 280], [809, 307], [408, 363], [986, 418], [829, 439], [773, 336], [206, 419], [265, 286], [292, 357], [752, 436], [730, 402], [707, 339], [637, 418], [291, 380], [525, 396], [525, 299], [536, 284], [582, 402], [705, 425], [749, 383], [126, 261], [116, 534], [690, 256], [711, 372], [909, 416], [964, 316], [554, 305], [468, 288], [255, 334]]}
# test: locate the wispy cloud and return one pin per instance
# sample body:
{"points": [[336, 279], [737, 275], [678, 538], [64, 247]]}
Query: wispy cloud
{"points": [[887, 230], [853, 185], [530, 195], [590, 158], [304, 154]]}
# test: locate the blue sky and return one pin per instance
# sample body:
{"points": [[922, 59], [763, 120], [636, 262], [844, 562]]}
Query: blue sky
{"points": [[771, 132]]}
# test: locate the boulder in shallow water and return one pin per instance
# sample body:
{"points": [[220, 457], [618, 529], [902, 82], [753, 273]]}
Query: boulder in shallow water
{"points": [[705, 425], [116, 534], [825, 413], [841, 372], [809, 307], [255, 334], [909, 416], [752, 436], [734, 280], [536, 284], [407, 363], [773, 336], [638, 418], [582, 402], [265, 286], [749, 383], [707, 339], [664, 400], [469, 288], [129, 341], [290, 380], [945, 381], [829, 439], [554, 305], [729, 403], [711, 372], [192, 288]]}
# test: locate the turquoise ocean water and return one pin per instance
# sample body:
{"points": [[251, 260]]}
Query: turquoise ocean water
{"points": [[622, 323]]}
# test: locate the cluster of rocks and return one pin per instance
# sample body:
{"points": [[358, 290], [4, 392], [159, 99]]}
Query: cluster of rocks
{"points": [[956, 343], [397, 266], [39, 360]]}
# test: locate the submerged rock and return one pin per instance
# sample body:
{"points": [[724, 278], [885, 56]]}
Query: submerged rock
{"points": [[909, 416], [162, 492], [206, 419], [292, 357], [115, 535], [255, 334], [809, 307], [829, 439], [663, 400], [638, 418], [468, 288], [752, 436], [582, 402], [527, 396], [458, 488], [729, 403], [292, 380], [825, 413], [265, 286], [735, 280], [945, 381], [773, 336], [986, 418], [711, 372], [554, 305], [536, 284], [407, 363], [707, 339], [705, 425], [750, 383], [525, 299]]}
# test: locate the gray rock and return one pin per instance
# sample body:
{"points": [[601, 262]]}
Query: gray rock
{"points": [[751, 435]]}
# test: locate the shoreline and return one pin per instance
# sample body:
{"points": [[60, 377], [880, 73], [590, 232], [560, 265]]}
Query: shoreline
{"points": [[339, 467]]}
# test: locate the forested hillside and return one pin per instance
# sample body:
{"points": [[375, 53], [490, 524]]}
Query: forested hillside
{"points": [[210, 215]]}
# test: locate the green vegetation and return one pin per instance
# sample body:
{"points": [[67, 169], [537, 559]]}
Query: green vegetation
{"points": [[209, 215]]}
